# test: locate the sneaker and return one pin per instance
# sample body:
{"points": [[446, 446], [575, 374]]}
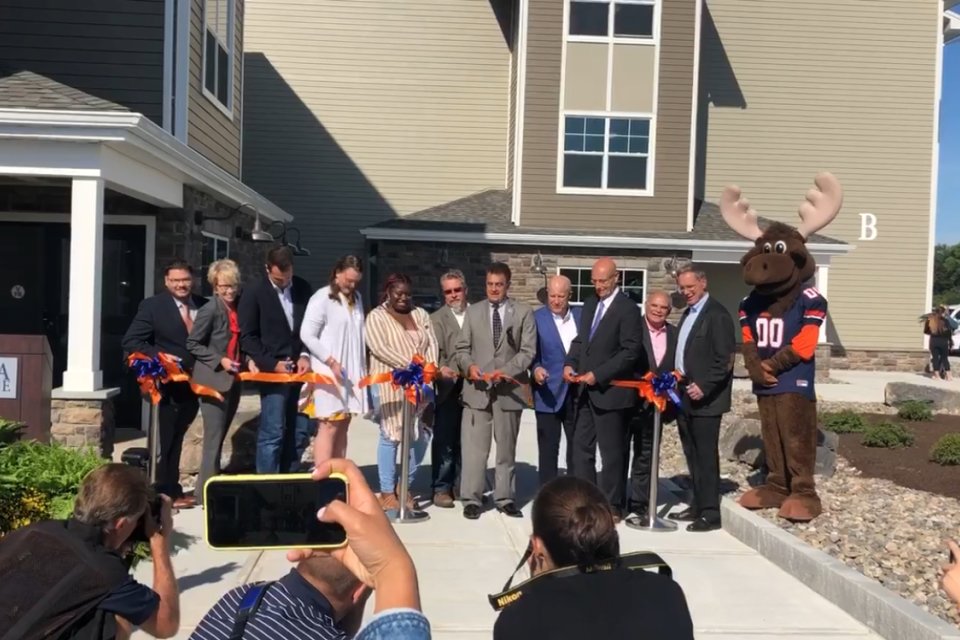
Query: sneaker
{"points": [[443, 499]]}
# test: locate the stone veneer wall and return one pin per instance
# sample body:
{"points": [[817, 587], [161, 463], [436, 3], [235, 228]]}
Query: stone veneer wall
{"points": [[178, 236], [424, 262], [83, 423], [880, 360]]}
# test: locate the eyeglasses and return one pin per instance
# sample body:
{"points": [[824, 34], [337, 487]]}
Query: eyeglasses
{"points": [[454, 290], [228, 287], [181, 280]]}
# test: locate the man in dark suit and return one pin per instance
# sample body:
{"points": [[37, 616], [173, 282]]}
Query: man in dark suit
{"points": [[607, 347], [445, 447], [162, 325], [660, 345], [706, 344], [270, 314], [557, 326]]}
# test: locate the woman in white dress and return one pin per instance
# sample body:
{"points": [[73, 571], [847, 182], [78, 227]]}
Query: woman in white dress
{"points": [[332, 331]]}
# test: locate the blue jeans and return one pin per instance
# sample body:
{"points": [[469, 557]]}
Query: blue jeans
{"points": [[396, 624], [282, 437], [387, 460]]}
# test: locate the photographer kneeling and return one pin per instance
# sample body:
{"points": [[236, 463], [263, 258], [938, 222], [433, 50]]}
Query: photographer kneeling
{"points": [[69, 578], [573, 527]]}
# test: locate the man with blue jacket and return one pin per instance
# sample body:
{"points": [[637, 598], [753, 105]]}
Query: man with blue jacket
{"points": [[557, 326]]}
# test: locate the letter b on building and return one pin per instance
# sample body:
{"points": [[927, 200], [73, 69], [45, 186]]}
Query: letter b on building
{"points": [[868, 226]]}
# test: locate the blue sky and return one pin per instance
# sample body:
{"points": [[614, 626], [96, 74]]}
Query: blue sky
{"points": [[948, 184]]}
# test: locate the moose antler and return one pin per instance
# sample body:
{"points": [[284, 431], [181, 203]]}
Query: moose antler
{"points": [[738, 213], [822, 204]]}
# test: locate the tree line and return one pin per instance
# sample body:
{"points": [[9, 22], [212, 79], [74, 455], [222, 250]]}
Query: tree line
{"points": [[946, 274]]}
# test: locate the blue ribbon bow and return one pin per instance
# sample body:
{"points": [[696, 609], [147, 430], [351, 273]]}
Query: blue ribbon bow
{"points": [[665, 383]]}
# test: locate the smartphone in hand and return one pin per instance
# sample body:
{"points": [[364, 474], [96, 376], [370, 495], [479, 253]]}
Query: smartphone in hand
{"points": [[252, 512]]}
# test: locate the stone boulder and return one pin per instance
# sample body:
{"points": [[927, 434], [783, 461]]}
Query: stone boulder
{"points": [[238, 454], [740, 440], [941, 400], [827, 442]]}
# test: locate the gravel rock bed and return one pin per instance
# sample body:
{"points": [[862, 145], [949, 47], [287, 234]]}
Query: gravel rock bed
{"points": [[886, 532]]}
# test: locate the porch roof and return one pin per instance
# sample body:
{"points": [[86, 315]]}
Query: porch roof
{"points": [[485, 218], [53, 130]]}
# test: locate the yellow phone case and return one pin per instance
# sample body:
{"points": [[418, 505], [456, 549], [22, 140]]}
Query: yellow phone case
{"points": [[268, 476]]}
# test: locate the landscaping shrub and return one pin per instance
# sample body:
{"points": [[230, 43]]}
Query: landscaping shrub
{"points": [[843, 422], [889, 435], [10, 431], [39, 481], [947, 450], [915, 411]]}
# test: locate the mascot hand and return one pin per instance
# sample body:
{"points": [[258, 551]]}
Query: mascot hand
{"points": [[751, 360], [768, 377]]}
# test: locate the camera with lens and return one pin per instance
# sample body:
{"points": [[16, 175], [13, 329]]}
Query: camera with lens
{"points": [[151, 515]]}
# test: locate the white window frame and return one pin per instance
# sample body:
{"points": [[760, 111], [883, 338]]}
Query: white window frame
{"points": [[217, 239], [611, 41], [620, 273], [227, 109], [607, 116], [611, 14]]}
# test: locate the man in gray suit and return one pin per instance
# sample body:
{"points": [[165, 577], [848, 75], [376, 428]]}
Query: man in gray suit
{"points": [[494, 351], [445, 447]]}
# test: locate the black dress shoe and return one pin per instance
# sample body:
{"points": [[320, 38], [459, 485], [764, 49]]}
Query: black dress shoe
{"points": [[510, 509], [687, 515], [472, 511], [702, 524]]}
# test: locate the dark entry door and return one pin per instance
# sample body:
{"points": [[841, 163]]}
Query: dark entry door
{"points": [[21, 279], [37, 260]]}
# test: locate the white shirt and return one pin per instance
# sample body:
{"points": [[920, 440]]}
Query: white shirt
{"points": [[567, 327], [286, 301], [459, 317], [606, 304]]}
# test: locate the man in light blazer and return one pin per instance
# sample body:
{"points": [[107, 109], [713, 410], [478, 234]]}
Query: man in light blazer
{"points": [[660, 344], [557, 326], [494, 351], [445, 447], [706, 343], [607, 348]]}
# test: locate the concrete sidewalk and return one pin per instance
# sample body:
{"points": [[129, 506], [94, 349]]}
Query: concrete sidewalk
{"points": [[733, 592]]}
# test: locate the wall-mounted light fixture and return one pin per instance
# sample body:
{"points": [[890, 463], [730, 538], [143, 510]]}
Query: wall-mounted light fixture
{"points": [[297, 248]]}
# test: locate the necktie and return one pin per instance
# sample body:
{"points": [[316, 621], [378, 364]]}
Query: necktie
{"points": [[497, 323], [596, 319], [187, 320]]}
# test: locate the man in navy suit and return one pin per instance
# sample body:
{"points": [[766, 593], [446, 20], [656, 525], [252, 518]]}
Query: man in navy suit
{"points": [[162, 325], [557, 326]]}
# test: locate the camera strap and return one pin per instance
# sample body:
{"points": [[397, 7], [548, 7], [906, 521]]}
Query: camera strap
{"points": [[636, 560], [248, 606]]}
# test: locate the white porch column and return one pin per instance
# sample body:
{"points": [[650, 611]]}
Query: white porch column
{"points": [[83, 372], [823, 276]]}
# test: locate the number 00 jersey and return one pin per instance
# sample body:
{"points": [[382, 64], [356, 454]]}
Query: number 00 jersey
{"points": [[798, 328]]}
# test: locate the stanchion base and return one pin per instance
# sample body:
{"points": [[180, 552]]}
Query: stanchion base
{"points": [[644, 524], [412, 515]]}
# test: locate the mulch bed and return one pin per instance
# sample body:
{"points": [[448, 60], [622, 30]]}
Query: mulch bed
{"points": [[907, 466]]}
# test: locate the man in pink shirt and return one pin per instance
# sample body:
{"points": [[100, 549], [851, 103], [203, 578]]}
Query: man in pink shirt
{"points": [[660, 345]]}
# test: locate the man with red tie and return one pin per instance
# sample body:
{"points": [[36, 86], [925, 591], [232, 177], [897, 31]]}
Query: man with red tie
{"points": [[162, 325]]}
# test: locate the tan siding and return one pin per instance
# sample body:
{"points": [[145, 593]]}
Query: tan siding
{"points": [[541, 206], [362, 111], [834, 89], [112, 49], [210, 131]]}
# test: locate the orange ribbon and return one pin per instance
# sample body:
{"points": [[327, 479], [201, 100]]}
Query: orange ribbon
{"points": [[645, 389], [412, 378], [153, 373], [309, 377]]}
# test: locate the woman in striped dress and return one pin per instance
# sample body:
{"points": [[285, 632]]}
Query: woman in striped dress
{"points": [[395, 332]]}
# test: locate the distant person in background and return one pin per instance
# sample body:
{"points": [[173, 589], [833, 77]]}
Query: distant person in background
{"points": [[940, 327], [215, 343], [162, 325], [333, 332]]}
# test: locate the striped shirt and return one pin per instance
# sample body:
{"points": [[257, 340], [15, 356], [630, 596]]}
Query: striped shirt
{"points": [[291, 609]]}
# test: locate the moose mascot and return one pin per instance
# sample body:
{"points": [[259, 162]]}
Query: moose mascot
{"points": [[780, 321]]}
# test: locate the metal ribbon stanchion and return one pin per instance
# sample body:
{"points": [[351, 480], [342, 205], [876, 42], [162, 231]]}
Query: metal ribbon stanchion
{"points": [[153, 437], [402, 514], [653, 522]]}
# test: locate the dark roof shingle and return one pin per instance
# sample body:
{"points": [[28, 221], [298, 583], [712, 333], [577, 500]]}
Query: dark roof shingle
{"points": [[489, 212], [28, 90]]}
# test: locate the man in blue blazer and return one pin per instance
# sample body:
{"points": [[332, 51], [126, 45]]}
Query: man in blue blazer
{"points": [[557, 326]]}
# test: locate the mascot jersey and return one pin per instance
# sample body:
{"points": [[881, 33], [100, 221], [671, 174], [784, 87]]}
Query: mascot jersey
{"points": [[798, 328]]}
